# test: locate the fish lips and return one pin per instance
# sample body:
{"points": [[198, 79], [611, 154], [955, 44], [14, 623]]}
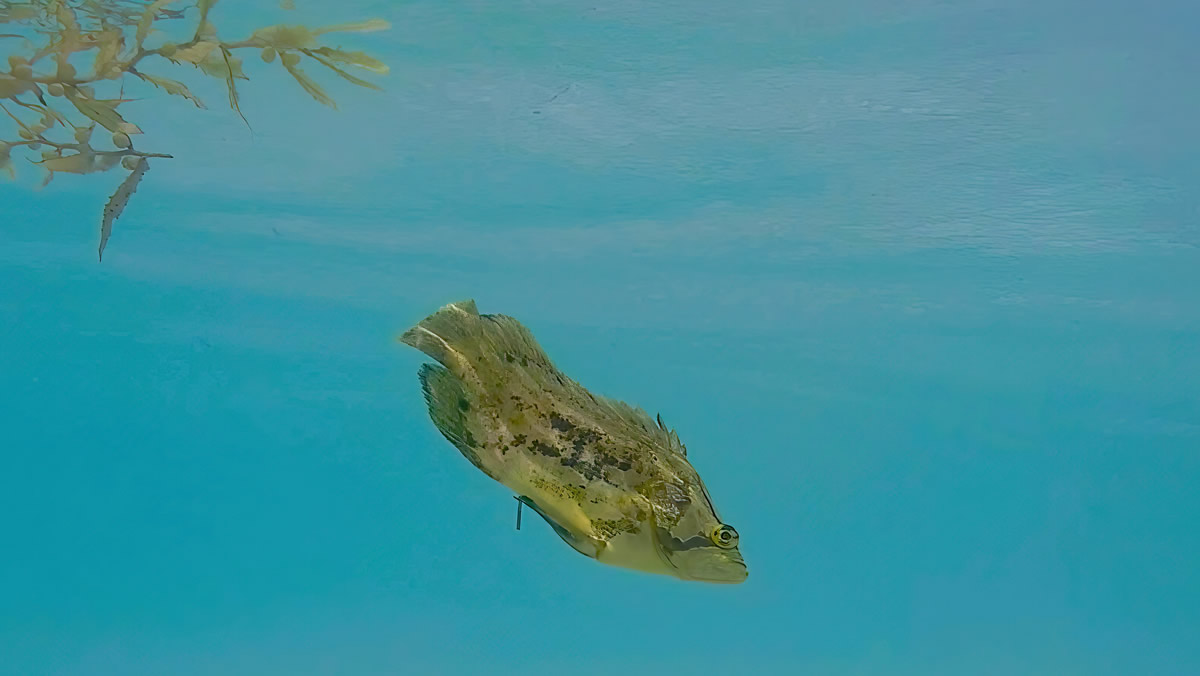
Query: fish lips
{"points": [[727, 567], [699, 559]]}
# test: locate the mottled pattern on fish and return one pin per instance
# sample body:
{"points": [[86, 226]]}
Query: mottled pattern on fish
{"points": [[613, 483]]}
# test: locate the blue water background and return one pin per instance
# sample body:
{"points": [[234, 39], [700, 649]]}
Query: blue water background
{"points": [[917, 282]]}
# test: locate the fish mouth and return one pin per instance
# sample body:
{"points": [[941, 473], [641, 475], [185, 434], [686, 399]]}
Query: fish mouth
{"points": [[728, 568], [732, 570]]}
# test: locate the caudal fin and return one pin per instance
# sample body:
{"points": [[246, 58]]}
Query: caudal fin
{"points": [[442, 334], [466, 342]]}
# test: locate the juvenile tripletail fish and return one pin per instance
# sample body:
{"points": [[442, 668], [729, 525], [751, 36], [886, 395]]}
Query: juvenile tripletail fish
{"points": [[614, 484]]}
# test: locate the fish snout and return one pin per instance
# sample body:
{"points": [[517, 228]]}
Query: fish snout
{"points": [[726, 567]]}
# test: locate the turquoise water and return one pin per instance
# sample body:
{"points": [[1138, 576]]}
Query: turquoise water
{"points": [[918, 283]]}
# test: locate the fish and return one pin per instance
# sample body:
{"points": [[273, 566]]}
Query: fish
{"points": [[613, 483]]}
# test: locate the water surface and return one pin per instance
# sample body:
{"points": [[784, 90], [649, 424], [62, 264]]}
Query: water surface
{"points": [[918, 284]]}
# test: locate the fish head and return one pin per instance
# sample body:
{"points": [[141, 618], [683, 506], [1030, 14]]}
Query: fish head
{"points": [[690, 537]]}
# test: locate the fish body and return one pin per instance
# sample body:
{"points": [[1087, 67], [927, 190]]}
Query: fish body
{"points": [[613, 483]]}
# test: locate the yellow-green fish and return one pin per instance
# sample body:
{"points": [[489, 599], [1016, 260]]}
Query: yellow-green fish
{"points": [[614, 484]]}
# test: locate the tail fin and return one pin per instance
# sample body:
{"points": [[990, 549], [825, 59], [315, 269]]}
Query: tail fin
{"points": [[438, 334], [463, 341]]}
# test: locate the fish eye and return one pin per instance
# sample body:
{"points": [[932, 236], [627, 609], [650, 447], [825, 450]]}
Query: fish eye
{"points": [[725, 537]]}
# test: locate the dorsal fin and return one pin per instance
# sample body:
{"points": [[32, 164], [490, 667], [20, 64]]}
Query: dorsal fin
{"points": [[511, 340], [637, 418]]}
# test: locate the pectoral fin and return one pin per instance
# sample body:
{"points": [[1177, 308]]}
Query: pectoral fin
{"points": [[584, 544]]}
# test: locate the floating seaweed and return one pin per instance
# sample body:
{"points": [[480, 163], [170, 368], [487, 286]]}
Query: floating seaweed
{"points": [[63, 53]]}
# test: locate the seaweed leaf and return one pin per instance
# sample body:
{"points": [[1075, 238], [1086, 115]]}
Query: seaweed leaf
{"points": [[85, 162], [116, 203], [6, 160], [283, 37], [111, 42], [359, 59], [10, 87], [103, 112], [229, 77], [356, 80], [59, 117], [147, 20], [204, 6], [171, 87], [194, 54], [66, 17], [221, 64], [80, 163], [69, 40], [368, 26], [310, 86]]}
